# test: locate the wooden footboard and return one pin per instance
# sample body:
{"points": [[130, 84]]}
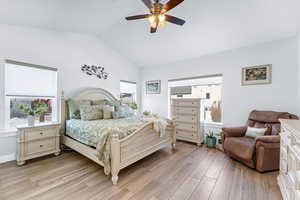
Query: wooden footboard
{"points": [[138, 145]]}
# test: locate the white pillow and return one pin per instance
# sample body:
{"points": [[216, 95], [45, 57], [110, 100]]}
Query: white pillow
{"points": [[255, 132]]}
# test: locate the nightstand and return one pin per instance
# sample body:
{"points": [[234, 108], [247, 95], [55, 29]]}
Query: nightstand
{"points": [[36, 141]]}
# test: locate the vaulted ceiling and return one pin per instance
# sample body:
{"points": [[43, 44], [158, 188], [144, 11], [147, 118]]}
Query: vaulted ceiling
{"points": [[212, 25]]}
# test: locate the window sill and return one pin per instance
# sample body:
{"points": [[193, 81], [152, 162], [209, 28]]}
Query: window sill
{"points": [[211, 123]]}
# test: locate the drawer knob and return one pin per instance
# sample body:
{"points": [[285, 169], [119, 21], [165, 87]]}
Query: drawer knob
{"points": [[41, 133], [41, 145]]}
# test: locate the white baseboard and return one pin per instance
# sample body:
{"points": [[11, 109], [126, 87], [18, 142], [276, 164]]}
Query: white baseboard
{"points": [[7, 158]]}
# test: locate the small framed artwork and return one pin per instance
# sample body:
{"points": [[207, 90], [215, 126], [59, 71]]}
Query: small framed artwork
{"points": [[261, 74], [153, 87]]}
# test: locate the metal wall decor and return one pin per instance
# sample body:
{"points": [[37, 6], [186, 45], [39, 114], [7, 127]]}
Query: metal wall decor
{"points": [[93, 70]]}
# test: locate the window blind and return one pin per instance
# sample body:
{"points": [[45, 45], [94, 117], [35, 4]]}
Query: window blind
{"points": [[28, 80], [181, 90], [127, 87]]}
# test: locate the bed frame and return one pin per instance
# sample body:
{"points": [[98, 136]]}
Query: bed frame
{"points": [[126, 151]]}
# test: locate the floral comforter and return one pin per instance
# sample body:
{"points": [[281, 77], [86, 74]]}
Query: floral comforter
{"points": [[97, 133]]}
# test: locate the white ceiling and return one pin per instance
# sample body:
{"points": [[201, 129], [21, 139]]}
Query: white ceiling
{"points": [[212, 25]]}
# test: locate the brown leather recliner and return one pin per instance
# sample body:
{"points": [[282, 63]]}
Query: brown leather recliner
{"points": [[261, 153]]}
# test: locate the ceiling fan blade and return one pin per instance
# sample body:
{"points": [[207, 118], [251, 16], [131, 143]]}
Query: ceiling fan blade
{"points": [[148, 3], [174, 20], [138, 17], [171, 4], [153, 29]]}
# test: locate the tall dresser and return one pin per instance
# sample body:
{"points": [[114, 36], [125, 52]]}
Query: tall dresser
{"points": [[186, 113], [289, 175]]}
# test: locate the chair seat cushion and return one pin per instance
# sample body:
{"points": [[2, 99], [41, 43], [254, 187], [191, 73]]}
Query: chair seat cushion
{"points": [[242, 147]]}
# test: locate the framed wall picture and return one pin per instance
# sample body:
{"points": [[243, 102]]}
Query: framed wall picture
{"points": [[261, 74], [153, 87]]}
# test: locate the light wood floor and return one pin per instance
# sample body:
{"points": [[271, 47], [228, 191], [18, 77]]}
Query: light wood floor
{"points": [[190, 173]]}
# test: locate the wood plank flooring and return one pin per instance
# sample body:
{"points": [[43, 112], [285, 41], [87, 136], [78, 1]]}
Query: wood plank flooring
{"points": [[189, 173]]}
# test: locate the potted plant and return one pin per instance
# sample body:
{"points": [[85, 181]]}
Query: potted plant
{"points": [[39, 108], [146, 113], [133, 105], [219, 145], [211, 140]]}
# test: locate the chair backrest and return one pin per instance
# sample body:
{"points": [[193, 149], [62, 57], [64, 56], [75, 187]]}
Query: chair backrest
{"points": [[268, 119]]}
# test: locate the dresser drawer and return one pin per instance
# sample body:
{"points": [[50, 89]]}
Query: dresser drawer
{"points": [[40, 134], [187, 103], [186, 126], [40, 146], [185, 110], [185, 118], [186, 134]]}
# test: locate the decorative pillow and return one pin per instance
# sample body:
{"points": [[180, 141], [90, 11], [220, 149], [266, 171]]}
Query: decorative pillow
{"points": [[76, 115], [101, 102], [116, 104], [255, 132], [91, 112], [123, 112], [73, 105], [108, 111]]}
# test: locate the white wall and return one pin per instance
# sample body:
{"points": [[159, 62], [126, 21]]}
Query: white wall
{"points": [[67, 52], [238, 100], [298, 56]]}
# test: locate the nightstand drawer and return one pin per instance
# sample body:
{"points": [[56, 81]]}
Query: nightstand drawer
{"points": [[39, 134], [40, 146]]}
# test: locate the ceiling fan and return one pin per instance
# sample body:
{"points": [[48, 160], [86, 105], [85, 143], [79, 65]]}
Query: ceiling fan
{"points": [[158, 16]]}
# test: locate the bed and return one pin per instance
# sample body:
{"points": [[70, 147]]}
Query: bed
{"points": [[140, 139]]}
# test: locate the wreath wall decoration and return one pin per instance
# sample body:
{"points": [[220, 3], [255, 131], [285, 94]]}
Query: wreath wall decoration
{"points": [[93, 70]]}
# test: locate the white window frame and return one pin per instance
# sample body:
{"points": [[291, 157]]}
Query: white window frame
{"points": [[191, 78], [136, 88], [6, 97], [2, 95]]}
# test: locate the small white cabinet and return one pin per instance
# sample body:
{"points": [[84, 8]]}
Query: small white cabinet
{"points": [[186, 114], [37, 141]]}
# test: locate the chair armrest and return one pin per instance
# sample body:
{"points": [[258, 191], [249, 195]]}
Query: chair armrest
{"points": [[267, 153], [271, 142], [268, 139], [234, 131]]}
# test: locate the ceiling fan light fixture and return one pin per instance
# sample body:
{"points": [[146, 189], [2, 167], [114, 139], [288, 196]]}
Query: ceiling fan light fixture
{"points": [[153, 25], [152, 19], [162, 18], [157, 16]]}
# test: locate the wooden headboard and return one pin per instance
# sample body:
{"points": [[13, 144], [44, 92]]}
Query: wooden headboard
{"points": [[91, 94]]}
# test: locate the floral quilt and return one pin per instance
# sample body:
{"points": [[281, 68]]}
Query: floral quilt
{"points": [[97, 133]]}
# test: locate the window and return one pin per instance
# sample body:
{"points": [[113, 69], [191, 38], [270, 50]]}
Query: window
{"points": [[128, 92], [27, 84], [209, 89]]}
